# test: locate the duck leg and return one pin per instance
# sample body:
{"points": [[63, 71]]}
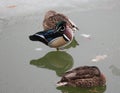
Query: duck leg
{"points": [[57, 49]]}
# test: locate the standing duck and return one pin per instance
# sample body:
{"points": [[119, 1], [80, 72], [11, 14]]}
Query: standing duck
{"points": [[57, 37], [86, 76], [52, 17]]}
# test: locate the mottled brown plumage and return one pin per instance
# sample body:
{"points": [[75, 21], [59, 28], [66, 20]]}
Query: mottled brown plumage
{"points": [[52, 17], [86, 76]]}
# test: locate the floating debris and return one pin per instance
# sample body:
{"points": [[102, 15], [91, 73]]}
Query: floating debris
{"points": [[11, 6], [98, 58], [115, 70], [87, 36], [38, 49]]}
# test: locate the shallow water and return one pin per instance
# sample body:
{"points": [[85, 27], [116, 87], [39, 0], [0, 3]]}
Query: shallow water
{"points": [[32, 67]]}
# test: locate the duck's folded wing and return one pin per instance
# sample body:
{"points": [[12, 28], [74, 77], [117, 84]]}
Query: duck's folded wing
{"points": [[38, 37], [45, 36]]}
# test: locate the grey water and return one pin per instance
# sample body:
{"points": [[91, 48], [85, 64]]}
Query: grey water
{"points": [[32, 67]]}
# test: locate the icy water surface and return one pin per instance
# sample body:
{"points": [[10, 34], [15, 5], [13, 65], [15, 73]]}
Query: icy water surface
{"points": [[32, 67]]}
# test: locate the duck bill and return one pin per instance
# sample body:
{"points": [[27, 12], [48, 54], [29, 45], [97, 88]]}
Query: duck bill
{"points": [[75, 29], [74, 25]]}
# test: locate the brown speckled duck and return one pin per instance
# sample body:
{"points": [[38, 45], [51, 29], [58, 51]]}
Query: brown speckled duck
{"points": [[52, 17], [86, 76]]}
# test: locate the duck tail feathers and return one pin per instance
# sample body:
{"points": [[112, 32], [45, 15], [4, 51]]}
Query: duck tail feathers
{"points": [[37, 37]]}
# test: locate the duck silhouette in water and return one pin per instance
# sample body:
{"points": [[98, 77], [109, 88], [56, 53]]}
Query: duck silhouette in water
{"points": [[58, 61]]}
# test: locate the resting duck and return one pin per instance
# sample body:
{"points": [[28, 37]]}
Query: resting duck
{"points": [[86, 76], [52, 17], [57, 37]]}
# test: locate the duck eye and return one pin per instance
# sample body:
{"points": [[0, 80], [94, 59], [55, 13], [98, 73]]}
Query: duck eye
{"points": [[62, 28], [73, 26]]}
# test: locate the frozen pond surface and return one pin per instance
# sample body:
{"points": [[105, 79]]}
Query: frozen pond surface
{"points": [[32, 67]]}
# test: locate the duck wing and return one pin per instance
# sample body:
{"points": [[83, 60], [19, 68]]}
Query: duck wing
{"points": [[82, 73]]}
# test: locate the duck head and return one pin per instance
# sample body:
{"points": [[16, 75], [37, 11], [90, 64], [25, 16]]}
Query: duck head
{"points": [[60, 26]]}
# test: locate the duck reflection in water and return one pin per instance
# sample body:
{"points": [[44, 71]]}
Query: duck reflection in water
{"points": [[115, 70], [59, 61], [66, 89], [73, 44]]}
